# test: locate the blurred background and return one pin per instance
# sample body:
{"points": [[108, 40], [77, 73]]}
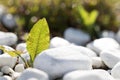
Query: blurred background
{"points": [[94, 18]]}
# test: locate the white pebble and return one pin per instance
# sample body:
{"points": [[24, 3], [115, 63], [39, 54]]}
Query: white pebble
{"points": [[6, 78], [7, 70], [21, 47], [33, 74], [58, 42], [15, 75], [97, 62], [19, 68], [115, 72], [97, 74]]}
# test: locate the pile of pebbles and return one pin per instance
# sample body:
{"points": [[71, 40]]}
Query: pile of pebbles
{"points": [[98, 60]]}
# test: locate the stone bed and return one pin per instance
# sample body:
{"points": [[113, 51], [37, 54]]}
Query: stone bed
{"points": [[98, 60]]}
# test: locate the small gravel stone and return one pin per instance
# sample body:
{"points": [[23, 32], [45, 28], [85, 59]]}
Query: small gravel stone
{"points": [[15, 75], [58, 42], [7, 78], [33, 74], [19, 68], [8, 38], [98, 63], [21, 47], [7, 70]]}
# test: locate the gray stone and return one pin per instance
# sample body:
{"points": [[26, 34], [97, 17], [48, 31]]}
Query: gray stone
{"points": [[88, 75], [76, 36], [33, 74], [8, 38], [58, 61], [102, 44], [9, 21], [58, 42]]}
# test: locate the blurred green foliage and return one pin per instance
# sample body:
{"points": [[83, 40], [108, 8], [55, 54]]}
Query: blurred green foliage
{"points": [[97, 15], [88, 19]]}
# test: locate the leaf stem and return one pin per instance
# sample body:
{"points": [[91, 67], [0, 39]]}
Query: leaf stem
{"points": [[26, 64]]}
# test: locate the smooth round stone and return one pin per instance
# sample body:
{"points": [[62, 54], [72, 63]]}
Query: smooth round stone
{"points": [[15, 75], [58, 42], [8, 38], [98, 63], [21, 47], [76, 36], [9, 21], [102, 44], [58, 61], [19, 68], [7, 60], [115, 72], [88, 75], [33, 74], [110, 57], [7, 70], [5, 78]]}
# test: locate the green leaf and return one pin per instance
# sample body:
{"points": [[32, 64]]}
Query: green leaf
{"points": [[84, 14], [11, 53], [88, 18], [93, 17], [38, 38]]}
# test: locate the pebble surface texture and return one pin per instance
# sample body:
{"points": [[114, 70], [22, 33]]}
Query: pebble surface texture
{"points": [[8, 38], [58, 61], [99, 60], [88, 75], [102, 44], [33, 74], [76, 36]]}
